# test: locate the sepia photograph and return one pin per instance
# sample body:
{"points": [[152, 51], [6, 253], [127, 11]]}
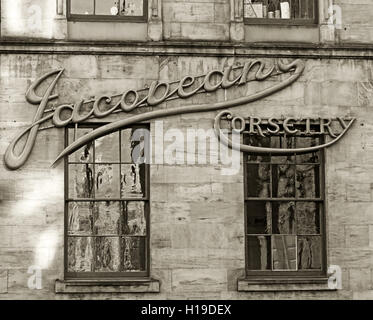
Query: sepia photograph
{"points": [[186, 150]]}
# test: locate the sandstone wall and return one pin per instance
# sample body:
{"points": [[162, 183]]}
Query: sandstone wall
{"points": [[197, 215]]}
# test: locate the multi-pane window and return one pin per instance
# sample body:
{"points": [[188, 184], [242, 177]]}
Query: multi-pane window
{"points": [[284, 208], [131, 10], [107, 209], [281, 11]]}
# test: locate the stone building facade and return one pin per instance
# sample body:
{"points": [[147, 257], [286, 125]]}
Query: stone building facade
{"points": [[196, 243]]}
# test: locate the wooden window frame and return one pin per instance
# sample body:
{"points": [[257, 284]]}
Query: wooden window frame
{"points": [[106, 18], [291, 274], [110, 276], [286, 22]]}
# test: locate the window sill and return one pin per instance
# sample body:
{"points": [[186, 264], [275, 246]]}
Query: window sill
{"points": [[107, 286], [90, 18], [281, 22], [273, 284]]}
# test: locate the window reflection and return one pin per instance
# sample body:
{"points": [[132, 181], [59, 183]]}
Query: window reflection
{"points": [[107, 209], [284, 207], [107, 7]]}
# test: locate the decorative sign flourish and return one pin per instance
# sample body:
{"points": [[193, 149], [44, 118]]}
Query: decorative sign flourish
{"points": [[157, 93]]}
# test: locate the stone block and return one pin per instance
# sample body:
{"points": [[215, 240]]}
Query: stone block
{"points": [[221, 12], [351, 257], [16, 258], [359, 192], [363, 295], [155, 30], [3, 281], [160, 236], [188, 12], [174, 212], [5, 236], [338, 93], [198, 258], [199, 280], [336, 235], [203, 31], [360, 279], [357, 236]]}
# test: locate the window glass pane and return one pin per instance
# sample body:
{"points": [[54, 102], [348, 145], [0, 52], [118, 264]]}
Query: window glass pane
{"points": [[80, 218], [107, 254], [306, 142], [135, 151], [283, 214], [308, 181], [131, 7], [257, 141], [258, 217], [133, 253], [80, 181], [82, 6], [283, 181], [283, 143], [311, 9], [107, 148], [107, 181], [259, 253], [84, 154], [134, 219], [284, 252], [80, 254], [107, 7], [301, 9], [126, 147], [308, 218], [253, 9], [133, 181], [304, 8], [309, 253], [107, 218], [258, 180]]}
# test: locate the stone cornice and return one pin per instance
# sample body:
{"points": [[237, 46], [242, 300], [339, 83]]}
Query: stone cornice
{"points": [[195, 48]]}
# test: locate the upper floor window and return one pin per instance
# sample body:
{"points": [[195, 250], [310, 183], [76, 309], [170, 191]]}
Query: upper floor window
{"points": [[288, 12], [107, 10]]}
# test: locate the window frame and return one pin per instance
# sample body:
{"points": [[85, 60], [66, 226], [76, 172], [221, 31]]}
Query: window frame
{"points": [[290, 274], [109, 276], [106, 18], [285, 22]]}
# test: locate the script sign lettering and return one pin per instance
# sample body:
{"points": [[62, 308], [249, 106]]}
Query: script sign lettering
{"points": [[156, 94]]}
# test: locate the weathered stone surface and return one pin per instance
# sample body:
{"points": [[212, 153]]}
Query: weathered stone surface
{"points": [[357, 236], [360, 279], [199, 280], [343, 93], [196, 214], [3, 281]]}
